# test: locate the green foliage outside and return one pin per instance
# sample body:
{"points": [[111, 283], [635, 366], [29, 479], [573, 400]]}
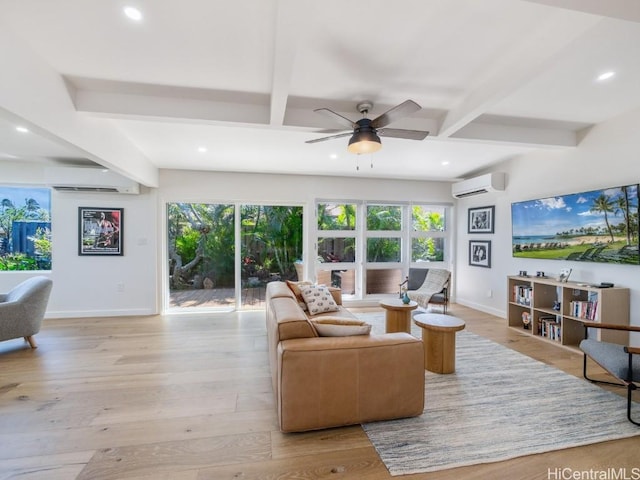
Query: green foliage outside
{"points": [[17, 261], [29, 212], [271, 240], [384, 218], [202, 242], [427, 250], [333, 216], [388, 218]]}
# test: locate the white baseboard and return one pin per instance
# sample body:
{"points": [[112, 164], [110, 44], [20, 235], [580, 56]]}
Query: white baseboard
{"points": [[482, 308], [99, 313]]}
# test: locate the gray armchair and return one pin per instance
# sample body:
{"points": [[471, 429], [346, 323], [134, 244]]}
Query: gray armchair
{"points": [[620, 361], [23, 308], [428, 286]]}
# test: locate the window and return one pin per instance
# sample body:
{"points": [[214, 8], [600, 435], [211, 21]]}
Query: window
{"points": [[336, 216], [384, 233], [337, 245], [428, 234], [204, 270], [25, 228], [384, 238]]}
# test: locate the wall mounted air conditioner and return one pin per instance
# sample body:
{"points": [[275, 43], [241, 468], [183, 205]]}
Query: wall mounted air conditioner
{"points": [[491, 182], [68, 179]]}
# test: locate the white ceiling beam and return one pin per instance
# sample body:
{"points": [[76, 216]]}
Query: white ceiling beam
{"points": [[516, 67], [289, 30], [126, 105], [38, 94], [621, 9], [517, 134]]}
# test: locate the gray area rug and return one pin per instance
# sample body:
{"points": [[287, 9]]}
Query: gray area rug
{"points": [[498, 405]]}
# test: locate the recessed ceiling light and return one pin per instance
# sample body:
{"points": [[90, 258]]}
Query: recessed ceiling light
{"points": [[202, 149], [333, 156], [605, 76], [445, 163], [22, 129], [133, 13]]}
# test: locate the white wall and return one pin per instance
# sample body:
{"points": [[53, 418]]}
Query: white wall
{"points": [[105, 286], [606, 157], [89, 286]]}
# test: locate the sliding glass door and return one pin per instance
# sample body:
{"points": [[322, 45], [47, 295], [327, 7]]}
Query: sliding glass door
{"points": [[204, 270], [201, 255], [271, 243]]}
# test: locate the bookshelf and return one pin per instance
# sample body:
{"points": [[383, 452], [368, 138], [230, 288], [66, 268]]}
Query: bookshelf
{"points": [[555, 310]]}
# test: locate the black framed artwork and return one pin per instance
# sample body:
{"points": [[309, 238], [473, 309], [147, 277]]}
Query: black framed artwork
{"points": [[481, 219], [480, 253], [100, 231]]}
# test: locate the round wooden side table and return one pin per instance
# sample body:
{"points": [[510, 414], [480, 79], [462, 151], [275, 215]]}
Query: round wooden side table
{"points": [[398, 314], [439, 340]]}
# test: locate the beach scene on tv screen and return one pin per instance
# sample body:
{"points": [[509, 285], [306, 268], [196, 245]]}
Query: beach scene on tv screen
{"points": [[595, 226]]}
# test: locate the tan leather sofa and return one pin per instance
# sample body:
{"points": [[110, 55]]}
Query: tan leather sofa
{"points": [[322, 382]]}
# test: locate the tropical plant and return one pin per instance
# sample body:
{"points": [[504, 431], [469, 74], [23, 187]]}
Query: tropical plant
{"points": [[603, 204], [271, 239], [427, 220], [623, 204], [201, 242], [17, 261], [332, 216], [383, 250], [384, 217]]}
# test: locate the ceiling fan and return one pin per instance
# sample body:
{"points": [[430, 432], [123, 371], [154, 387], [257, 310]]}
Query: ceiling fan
{"points": [[366, 133]]}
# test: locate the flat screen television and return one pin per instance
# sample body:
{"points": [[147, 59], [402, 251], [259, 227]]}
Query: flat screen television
{"points": [[595, 226]]}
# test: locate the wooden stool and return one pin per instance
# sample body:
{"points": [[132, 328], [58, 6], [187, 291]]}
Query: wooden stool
{"points": [[439, 340], [398, 315]]}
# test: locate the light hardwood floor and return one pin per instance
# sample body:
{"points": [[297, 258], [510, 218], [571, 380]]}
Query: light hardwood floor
{"points": [[188, 397]]}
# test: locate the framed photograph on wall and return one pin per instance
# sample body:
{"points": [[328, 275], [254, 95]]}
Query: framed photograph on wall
{"points": [[480, 253], [481, 219], [100, 231]]}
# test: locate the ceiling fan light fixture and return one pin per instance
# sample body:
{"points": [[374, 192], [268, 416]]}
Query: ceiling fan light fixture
{"points": [[364, 142]]}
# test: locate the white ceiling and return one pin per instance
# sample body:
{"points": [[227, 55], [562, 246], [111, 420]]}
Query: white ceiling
{"points": [[495, 78]]}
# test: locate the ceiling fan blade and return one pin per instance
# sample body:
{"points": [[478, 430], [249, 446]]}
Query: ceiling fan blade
{"points": [[401, 133], [405, 108], [340, 135], [336, 117]]}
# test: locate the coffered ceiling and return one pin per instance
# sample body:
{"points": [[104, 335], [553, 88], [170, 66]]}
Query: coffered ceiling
{"points": [[231, 86]]}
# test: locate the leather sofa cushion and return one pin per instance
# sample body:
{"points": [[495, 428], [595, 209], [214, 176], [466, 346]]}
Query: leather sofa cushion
{"points": [[290, 319], [340, 327], [329, 382], [295, 288], [279, 289]]}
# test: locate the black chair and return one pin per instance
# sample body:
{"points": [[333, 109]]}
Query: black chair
{"points": [[620, 361]]}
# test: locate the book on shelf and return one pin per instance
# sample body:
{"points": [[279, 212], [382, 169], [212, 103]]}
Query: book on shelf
{"points": [[549, 327], [586, 309], [522, 294]]}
